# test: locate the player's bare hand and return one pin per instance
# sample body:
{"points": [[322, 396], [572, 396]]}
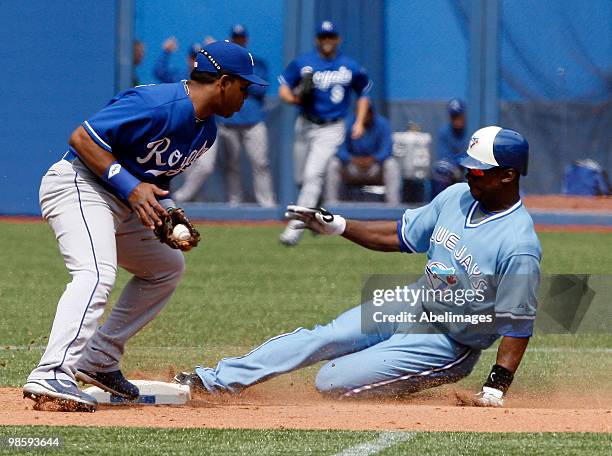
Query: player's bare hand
{"points": [[170, 44], [143, 200], [357, 131]]}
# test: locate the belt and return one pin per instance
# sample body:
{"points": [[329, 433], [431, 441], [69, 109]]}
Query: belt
{"points": [[70, 156], [319, 120]]}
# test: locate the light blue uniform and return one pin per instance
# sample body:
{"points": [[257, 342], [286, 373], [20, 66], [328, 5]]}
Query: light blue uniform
{"points": [[457, 236]]}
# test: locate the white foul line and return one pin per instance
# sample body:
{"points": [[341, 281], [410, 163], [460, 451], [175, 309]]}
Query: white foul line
{"points": [[383, 441]]}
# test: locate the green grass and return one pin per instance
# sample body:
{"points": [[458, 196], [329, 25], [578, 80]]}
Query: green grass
{"points": [[137, 441], [242, 287]]}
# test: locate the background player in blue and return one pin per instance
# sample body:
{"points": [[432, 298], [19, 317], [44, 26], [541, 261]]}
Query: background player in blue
{"points": [[319, 130], [468, 231], [102, 200], [246, 128], [451, 141]]}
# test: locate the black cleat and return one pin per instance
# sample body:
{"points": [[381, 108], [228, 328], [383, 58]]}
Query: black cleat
{"points": [[191, 379], [111, 382]]}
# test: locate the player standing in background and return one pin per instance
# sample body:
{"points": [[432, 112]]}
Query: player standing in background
{"points": [[450, 143], [474, 232], [162, 69], [320, 83], [103, 199], [246, 129]]}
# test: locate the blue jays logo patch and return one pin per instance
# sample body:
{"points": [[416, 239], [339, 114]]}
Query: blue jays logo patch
{"points": [[473, 142], [439, 276]]}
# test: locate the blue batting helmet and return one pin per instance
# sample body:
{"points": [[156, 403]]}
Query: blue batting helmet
{"points": [[492, 147]]}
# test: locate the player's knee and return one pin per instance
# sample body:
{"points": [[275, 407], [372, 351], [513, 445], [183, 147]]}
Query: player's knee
{"points": [[174, 267], [100, 279], [329, 380]]}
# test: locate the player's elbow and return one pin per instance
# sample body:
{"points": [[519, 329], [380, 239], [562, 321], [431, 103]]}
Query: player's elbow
{"points": [[77, 137]]}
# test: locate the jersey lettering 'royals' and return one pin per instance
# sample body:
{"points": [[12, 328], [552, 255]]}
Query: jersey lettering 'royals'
{"points": [[331, 79], [159, 147], [152, 131]]}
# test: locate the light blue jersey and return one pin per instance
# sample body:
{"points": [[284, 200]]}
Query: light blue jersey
{"points": [[460, 240], [479, 250]]}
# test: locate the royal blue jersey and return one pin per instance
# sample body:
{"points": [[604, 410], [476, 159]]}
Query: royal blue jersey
{"points": [[376, 141], [333, 80], [450, 143], [497, 252], [152, 131], [165, 73]]}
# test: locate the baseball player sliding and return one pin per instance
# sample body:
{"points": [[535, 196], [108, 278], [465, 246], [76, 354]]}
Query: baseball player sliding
{"points": [[103, 199], [478, 237], [320, 83]]}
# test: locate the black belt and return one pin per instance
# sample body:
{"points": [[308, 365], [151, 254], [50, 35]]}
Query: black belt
{"points": [[319, 120]]}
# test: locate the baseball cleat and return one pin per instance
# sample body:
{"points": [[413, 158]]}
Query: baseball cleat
{"points": [[62, 392], [190, 379], [111, 382], [291, 236]]}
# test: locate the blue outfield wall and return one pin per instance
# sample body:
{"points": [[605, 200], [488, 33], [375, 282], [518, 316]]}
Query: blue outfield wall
{"points": [[59, 68], [62, 65]]}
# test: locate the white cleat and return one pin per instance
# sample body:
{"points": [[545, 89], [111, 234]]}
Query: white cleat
{"points": [[291, 236], [62, 392]]}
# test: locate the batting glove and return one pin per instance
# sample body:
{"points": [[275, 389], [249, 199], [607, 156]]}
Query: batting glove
{"points": [[316, 219], [490, 397]]}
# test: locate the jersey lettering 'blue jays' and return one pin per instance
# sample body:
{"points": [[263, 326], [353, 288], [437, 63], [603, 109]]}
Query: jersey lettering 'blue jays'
{"points": [[473, 247], [332, 79], [152, 131]]}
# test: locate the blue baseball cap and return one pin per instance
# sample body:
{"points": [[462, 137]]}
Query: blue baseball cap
{"points": [[238, 30], [456, 107], [327, 28], [227, 58], [492, 147]]}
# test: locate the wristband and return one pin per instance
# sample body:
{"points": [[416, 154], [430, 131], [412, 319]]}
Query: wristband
{"points": [[499, 378], [120, 179], [341, 227]]}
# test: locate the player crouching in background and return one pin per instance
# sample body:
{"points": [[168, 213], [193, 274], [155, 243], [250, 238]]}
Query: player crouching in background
{"points": [[468, 231]]}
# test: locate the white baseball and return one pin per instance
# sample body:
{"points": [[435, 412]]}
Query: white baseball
{"points": [[181, 232]]}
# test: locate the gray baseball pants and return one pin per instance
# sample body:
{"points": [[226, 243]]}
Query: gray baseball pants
{"points": [[314, 146], [391, 178], [96, 233], [254, 138]]}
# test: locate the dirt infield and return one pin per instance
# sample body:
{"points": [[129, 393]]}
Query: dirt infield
{"points": [[299, 408], [568, 203]]}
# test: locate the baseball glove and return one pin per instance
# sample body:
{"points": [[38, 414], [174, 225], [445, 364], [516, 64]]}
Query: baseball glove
{"points": [[305, 90], [165, 232]]}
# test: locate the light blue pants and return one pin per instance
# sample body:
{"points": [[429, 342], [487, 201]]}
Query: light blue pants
{"points": [[384, 363]]}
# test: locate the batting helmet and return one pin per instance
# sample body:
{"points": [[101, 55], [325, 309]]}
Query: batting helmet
{"points": [[491, 147]]}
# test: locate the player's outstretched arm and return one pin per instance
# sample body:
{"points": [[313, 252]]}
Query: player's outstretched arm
{"points": [[140, 195], [380, 236]]}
